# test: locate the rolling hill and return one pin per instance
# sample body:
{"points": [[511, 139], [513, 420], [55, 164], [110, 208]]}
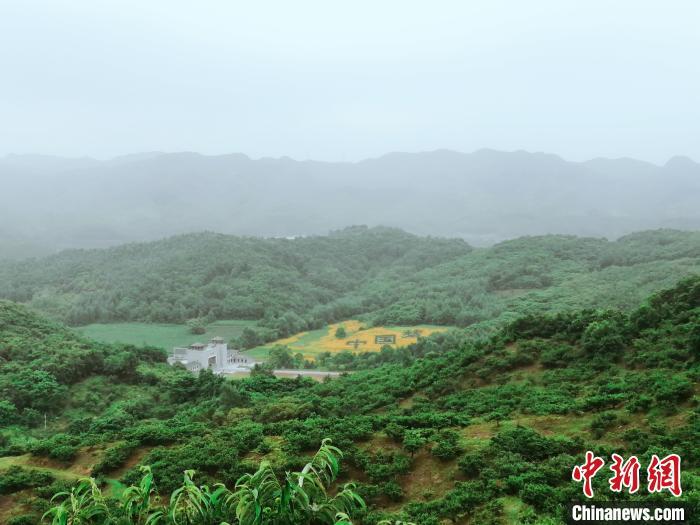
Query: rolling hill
{"points": [[459, 429], [384, 276], [484, 197]]}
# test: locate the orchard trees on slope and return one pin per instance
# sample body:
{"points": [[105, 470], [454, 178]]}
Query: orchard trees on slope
{"points": [[261, 498]]}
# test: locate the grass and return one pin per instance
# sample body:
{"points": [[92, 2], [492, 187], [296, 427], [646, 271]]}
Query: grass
{"points": [[309, 343], [26, 461], [314, 342], [164, 336], [512, 509]]}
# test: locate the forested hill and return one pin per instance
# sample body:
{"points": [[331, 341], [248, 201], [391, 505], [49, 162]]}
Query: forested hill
{"points": [[222, 276], [386, 275], [450, 428]]}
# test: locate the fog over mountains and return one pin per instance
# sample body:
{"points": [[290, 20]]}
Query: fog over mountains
{"points": [[51, 203]]}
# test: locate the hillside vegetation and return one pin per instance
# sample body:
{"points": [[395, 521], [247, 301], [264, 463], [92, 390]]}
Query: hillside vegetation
{"points": [[222, 277], [479, 431], [384, 276], [342, 350]]}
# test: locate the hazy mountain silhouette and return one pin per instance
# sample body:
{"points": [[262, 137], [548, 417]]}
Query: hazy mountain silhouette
{"points": [[49, 203]]}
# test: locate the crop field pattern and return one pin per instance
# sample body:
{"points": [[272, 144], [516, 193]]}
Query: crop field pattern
{"points": [[358, 338]]}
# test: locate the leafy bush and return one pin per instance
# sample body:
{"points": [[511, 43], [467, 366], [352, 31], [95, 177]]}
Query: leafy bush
{"points": [[446, 445], [62, 447], [605, 337], [603, 422], [114, 457], [197, 326], [17, 478]]}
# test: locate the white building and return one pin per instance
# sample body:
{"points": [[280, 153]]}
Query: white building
{"points": [[215, 355]]}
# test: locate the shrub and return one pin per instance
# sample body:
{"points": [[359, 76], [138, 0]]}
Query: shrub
{"points": [[542, 497], [8, 413], [24, 519], [196, 326], [63, 447], [673, 389], [471, 464], [392, 490], [17, 478], [604, 338], [114, 457], [63, 452], [556, 355], [601, 423], [447, 445], [413, 441]]}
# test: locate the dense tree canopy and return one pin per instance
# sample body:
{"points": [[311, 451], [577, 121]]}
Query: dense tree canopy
{"points": [[383, 275]]}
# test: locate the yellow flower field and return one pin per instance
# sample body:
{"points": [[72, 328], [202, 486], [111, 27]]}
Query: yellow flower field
{"points": [[358, 339]]}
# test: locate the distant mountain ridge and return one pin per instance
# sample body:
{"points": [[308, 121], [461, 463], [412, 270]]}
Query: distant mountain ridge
{"points": [[51, 203]]}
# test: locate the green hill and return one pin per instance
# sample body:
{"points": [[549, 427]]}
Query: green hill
{"points": [[453, 428], [221, 276], [382, 276]]}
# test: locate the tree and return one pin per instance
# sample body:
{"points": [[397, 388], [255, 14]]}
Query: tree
{"points": [[8, 413], [605, 337], [413, 441], [197, 326], [249, 338], [447, 445], [31, 388], [394, 431], [232, 395], [261, 498], [340, 332], [280, 356]]}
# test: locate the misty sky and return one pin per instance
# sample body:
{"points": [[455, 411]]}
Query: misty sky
{"points": [[347, 80]]}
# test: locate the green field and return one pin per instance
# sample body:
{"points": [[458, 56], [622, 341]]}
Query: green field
{"points": [[309, 343], [164, 336]]}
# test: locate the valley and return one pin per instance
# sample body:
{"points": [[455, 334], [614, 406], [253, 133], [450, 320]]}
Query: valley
{"points": [[349, 263], [479, 379], [161, 335]]}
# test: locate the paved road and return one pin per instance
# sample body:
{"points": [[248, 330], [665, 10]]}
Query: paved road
{"points": [[311, 373], [315, 374]]}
